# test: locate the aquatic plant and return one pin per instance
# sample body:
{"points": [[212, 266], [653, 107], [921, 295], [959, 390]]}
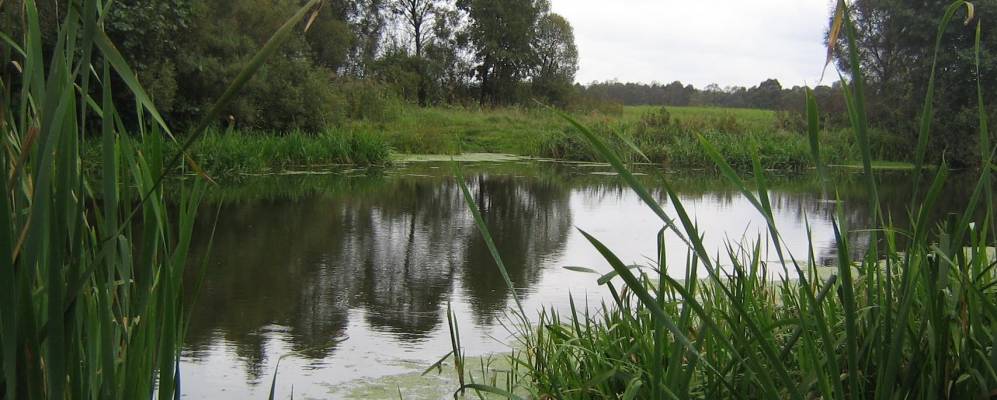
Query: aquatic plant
{"points": [[92, 271]]}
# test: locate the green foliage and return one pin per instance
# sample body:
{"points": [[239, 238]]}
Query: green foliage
{"points": [[895, 42], [557, 60], [667, 136]]}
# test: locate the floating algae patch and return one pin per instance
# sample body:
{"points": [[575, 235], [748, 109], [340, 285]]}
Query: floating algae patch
{"points": [[879, 165], [610, 173], [466, 157], [438, 383]]}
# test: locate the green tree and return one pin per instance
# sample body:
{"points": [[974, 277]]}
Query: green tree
{"points": [[146, 33], [416, 16], [556, 59], [502, 35], [766, 95], [895, 45]]}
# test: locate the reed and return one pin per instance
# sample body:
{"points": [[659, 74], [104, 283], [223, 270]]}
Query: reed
{"points": [[92, 270]]}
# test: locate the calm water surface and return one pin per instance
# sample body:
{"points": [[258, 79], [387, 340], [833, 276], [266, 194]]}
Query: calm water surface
{"points": [[349, 274]]}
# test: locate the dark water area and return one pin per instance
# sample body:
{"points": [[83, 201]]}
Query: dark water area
{"points": [[349, 274]]}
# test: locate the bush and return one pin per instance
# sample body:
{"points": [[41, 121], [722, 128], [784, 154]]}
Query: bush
{"points": [[294, 95]]}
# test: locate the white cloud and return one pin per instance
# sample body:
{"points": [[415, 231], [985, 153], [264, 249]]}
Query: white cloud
{"points": [[729, 42]]}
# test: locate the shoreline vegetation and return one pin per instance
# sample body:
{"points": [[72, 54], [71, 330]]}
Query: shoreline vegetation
{"points": [[664, 136]]}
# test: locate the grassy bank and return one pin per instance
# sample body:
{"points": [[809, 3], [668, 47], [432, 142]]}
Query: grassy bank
{"points": [[662, 136], [665, 136], [232, 153]]}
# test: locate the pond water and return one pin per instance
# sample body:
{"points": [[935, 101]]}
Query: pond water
{"points": [[349, 274]]}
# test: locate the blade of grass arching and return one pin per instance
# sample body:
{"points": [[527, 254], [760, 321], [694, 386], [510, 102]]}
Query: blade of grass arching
{"points": [[13, 45], [927, 111], [813, 131], [487, 237], [625, 173], [33, 86], [128, 76], [986, 152], [457, 351], [727, 171], [766, 211], [8, 290]]}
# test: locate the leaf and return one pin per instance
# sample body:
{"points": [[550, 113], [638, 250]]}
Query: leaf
{"points": [[581, 269], [832, 36], [489, 389]]}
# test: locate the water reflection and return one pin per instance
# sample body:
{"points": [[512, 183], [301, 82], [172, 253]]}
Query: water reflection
{"points": [[353, 263], [302, 263]]}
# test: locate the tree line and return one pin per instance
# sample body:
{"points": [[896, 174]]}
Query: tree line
{"points": [[357, 57], [768, 94]]}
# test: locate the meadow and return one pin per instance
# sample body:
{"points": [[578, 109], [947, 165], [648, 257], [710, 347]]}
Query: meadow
{"points": [[664, 136]]}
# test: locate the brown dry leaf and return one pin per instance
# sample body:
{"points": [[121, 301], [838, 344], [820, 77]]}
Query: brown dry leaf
{"points": [[311, 18], [26, 145], [198, 170], [832, 36]]}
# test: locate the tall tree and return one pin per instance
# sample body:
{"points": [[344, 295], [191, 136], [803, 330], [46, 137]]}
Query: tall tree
{"points": [[502, 34], [556, 59], [417, 17]]}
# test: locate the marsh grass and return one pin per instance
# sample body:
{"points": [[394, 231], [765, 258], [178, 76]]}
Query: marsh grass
{"points": [[92, 271], [915, 317], [226, 154]]}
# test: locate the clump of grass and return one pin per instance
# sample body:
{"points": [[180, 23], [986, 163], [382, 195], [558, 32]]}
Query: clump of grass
{"points": [[667, 136], [914, 317], [91, 272], [228, 154]]}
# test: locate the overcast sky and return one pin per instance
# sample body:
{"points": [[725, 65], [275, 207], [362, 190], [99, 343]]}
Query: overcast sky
{"points": [[728, 42]]}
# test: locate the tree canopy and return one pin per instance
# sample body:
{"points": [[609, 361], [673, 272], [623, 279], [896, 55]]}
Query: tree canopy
{"points": [[896, 41]]}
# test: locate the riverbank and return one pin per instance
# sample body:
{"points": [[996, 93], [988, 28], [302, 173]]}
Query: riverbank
{"points": [[656, 135]]}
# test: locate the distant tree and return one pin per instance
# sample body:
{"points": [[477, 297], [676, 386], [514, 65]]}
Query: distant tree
{"points": [[146, 32], [331, 37], [417, 16], [502, 34], [448, 55], [557, 59], [895, 44], [766, 95], [675, 94]]}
